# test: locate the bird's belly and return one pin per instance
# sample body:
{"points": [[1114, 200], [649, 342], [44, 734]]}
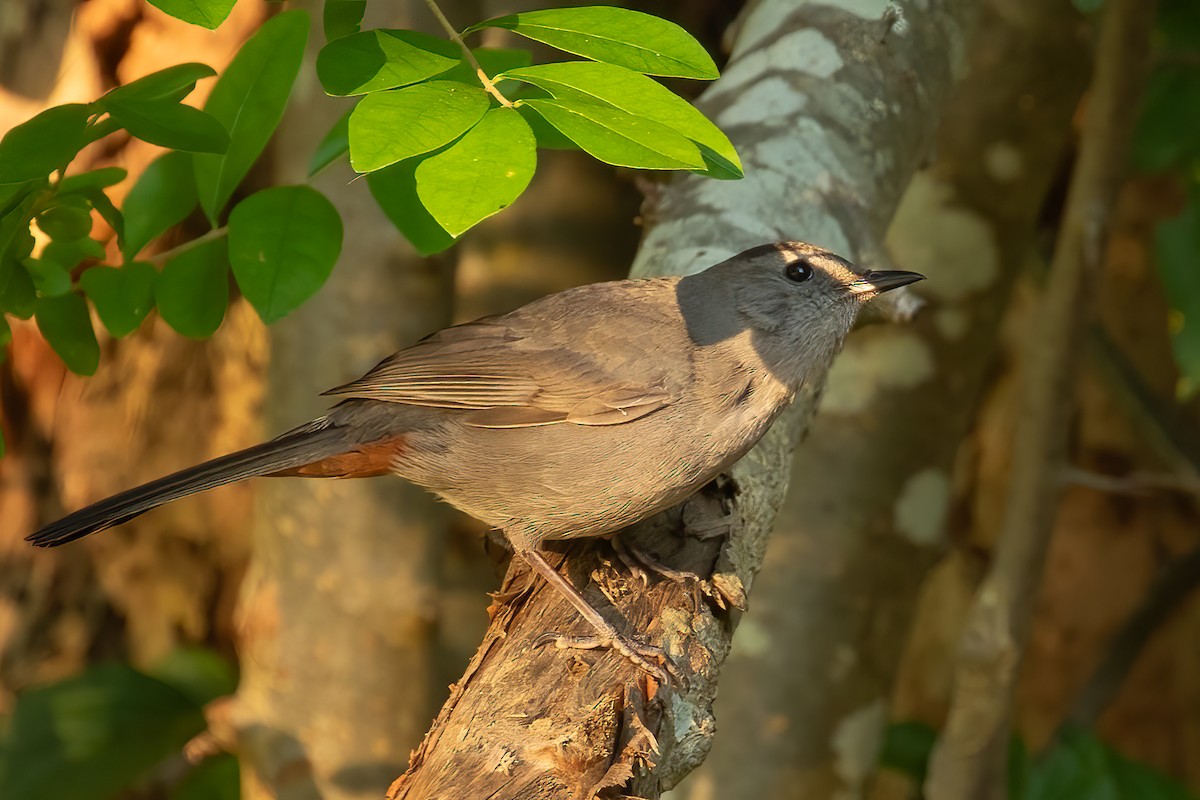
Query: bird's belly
{"points": [[567, 481]]}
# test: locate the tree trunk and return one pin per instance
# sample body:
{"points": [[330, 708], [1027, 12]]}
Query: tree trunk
{"points": [[805, 692], [342, 596]]}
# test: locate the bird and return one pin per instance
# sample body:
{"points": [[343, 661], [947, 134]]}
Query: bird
{"points": [[573, 416]]}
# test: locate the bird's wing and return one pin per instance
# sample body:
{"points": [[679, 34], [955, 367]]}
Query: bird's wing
{"points": [[527, 369]]}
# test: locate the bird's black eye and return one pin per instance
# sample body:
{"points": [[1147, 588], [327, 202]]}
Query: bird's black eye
{"points": [[799, 270]]}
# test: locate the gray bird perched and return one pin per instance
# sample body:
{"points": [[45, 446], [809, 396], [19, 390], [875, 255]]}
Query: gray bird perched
{"points": [[573, 416]]}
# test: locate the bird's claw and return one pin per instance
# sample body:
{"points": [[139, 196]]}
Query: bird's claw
{"points": [[647, 657]]}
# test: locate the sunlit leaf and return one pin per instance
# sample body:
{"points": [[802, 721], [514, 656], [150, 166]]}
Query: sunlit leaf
{"points": [[630, 39], [387, 127], [205, 13], [640, 96], [481, 173], [192, 291], [283, 243], [248, 100], [619, 138], [378, 59]]}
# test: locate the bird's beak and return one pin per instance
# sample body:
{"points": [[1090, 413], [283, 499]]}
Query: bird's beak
{"points": [[880, 281]]}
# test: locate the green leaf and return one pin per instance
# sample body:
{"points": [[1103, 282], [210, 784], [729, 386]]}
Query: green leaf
{"points": [[634, 93], [617, 137], [171, 125], [93, 735], [216, 778], [5, 339], [71, 254], [387, 127], [192, 291], [163, 196], [50, 277], [906, 748], [205, 13], [382, 59], [1076, 768], [248, 100], [1168, 130], [2, 451], [198, 672], [104, 206], [65, 223], [168, 85], [546, 134], [395, 190], [95, 179], [1136, 781], [335, 145], [1177, 252], [342, 17], [45, 143], [283, 243], [122, 297], [65, 323], [631, 39], [480, 174], [17, 294]]}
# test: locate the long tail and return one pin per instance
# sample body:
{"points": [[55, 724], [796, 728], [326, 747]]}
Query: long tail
{"points": [[297, 448]]}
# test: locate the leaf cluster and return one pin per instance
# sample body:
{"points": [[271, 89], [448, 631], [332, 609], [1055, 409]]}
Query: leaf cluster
{"points": [[1167, 141], [446, 136], [1078, 767]]}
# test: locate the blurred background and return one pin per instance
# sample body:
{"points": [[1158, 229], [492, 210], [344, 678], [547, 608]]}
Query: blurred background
{"points": [[117, 651]]}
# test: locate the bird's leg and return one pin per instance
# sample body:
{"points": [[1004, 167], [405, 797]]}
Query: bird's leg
{"points": [[606, 635]]}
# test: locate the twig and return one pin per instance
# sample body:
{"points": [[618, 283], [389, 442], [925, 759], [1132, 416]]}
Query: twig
{"points": [[1133, 483], [1176, 582], [467, 54], [970, 759], [215, 233]]}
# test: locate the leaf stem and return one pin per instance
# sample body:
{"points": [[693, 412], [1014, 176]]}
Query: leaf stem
{"points": [[453, 34], [215, 233]]}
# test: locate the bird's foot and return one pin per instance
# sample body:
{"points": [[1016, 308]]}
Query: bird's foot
{"points": [[647, 657], [640, 563]]}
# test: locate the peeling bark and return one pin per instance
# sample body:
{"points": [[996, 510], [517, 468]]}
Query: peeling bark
{"points": [[810, 89]]}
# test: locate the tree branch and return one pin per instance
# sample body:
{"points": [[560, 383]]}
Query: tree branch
{"points": [[484, 78], [811, 87], [1178, 580], [970, 759]]}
